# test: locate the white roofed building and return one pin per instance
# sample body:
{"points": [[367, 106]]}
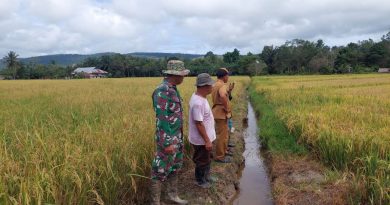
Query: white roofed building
{"points": [[384, 70], [89, 72]]}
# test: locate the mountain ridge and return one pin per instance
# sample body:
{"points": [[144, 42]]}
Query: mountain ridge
{"points": [[71, 59]]}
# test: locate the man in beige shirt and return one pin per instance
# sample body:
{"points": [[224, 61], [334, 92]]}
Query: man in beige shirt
{"points": [[222, 112]]}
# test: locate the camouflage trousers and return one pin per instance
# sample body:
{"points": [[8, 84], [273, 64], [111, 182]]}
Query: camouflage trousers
{"points": [[164, 165]]}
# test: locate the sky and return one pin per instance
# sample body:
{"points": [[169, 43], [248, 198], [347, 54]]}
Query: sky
{"points": [[43, 27]]}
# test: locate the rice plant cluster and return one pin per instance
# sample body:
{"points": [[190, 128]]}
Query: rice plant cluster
{"points": [[79, 141], [344, 119]]}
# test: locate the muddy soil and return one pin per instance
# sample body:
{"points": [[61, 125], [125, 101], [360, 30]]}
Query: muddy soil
{"points": [[226, 175], [302, 180]]}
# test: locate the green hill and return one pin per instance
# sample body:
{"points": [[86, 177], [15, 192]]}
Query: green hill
{"points": [[61, 59], [165, 55], [70, 59]]}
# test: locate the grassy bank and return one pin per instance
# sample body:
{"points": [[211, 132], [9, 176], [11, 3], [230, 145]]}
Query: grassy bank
{"points": [[343, 120], [274, 134]]}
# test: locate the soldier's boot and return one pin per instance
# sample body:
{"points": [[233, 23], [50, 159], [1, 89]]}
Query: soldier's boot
{"points": [[155, 192], [172, 190]]}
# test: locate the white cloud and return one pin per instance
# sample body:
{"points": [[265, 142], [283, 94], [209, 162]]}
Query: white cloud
{"points": [[147, 11], [7, 8], [100, 22], [32, 27], [56, 10]]}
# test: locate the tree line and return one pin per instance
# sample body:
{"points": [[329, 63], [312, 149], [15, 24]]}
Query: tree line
{"points": [[293, 57]]}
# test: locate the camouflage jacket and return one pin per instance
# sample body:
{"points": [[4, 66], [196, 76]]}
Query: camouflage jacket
{"points": [[167, 105]]}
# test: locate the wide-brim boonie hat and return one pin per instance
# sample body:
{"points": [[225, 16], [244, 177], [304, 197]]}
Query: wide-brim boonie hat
{"points": [[176, 67]]}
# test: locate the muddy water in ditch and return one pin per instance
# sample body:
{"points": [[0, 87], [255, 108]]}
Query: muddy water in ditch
{"points": [[254, 185]]}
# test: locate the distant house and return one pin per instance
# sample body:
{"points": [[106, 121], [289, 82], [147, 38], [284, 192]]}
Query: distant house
{"points": [[89, 72], [384, 70]]}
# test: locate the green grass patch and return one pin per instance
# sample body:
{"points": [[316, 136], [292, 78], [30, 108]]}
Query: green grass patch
{"points": [[274, 134]]}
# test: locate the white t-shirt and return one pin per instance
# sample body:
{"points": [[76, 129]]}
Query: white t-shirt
{"points": [[200, 111]]}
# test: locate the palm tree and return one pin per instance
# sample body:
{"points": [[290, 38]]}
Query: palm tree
{"points": [[12, 62]]}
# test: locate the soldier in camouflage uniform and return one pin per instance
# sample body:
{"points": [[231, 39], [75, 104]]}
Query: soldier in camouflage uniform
{"points": [[168, 159]]}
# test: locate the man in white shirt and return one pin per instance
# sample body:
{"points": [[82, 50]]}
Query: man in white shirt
{"points": [[201, 129]]}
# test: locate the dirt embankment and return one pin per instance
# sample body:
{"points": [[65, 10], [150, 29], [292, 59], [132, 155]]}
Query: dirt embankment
{"points": [[302, 180], [226, 178]]}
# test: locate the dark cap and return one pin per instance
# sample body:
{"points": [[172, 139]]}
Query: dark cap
{"points": [[222, 72]]}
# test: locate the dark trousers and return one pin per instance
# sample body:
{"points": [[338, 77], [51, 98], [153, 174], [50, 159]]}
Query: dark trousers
{"points": [[202, 160]]}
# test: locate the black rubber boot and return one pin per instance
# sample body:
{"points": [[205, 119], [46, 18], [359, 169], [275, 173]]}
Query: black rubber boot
{"points": [[200, 175], [207, 177]]}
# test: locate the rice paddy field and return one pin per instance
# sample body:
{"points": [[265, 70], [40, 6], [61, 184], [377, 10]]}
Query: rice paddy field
{"points": [[91, 141], [79, 141], [343, 119]]}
